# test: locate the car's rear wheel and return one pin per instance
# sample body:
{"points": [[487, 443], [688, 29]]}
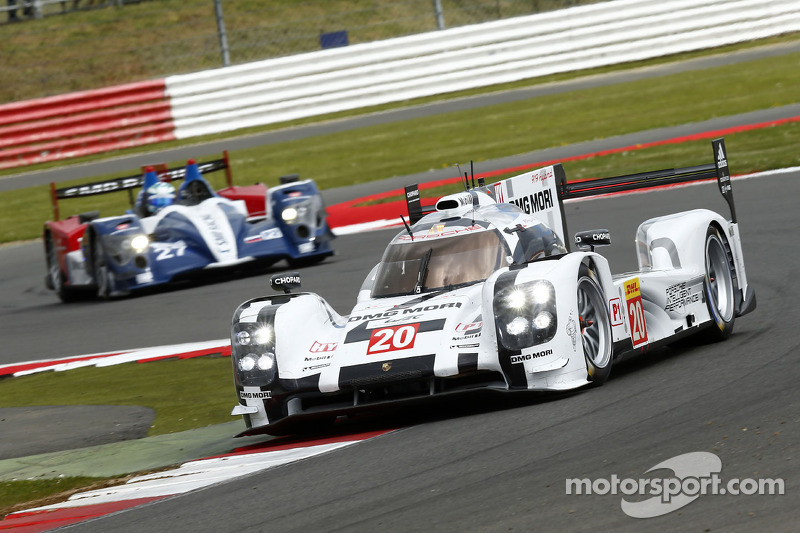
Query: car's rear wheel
{"points": [[595, 326], [720, 285], [55, 277]]}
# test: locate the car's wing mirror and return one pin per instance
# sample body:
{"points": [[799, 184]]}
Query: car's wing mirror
{"points": [[587, 240], [285, 282]]}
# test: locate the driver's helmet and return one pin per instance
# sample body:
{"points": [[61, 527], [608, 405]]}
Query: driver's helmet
{"points": [[159, 196]]}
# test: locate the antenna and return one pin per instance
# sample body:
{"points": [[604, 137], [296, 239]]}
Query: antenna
{"points": [[407, 228], [466, 183], [472, 172]]}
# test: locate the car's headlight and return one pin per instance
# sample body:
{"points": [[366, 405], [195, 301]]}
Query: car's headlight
{"points": [[140, 243], [525, 314], [264, 362], [289, 215], [253, 353]]}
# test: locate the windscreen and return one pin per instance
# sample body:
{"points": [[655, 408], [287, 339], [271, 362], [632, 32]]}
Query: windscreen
{"points": [[453, 261]]}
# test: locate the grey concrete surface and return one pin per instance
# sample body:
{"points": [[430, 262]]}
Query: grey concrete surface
{"points": [[28, 431]]}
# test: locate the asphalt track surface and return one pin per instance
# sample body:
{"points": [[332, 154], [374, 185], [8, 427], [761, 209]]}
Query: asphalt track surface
{"points": [[489, 463]]}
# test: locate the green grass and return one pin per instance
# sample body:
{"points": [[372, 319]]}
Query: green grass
{"points": [[750, 151], [13, 494], [421, 144], [185, 394]]}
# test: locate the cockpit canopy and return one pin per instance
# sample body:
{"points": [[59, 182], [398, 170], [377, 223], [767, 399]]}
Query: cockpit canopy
{"points": [[446, 257]]}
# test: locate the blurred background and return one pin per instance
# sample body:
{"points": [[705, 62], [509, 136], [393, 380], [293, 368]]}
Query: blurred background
{"points": [[51, 47]]}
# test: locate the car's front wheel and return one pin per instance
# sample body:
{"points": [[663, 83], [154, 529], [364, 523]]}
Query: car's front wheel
{"points": [[103, 277], [595, 326]]}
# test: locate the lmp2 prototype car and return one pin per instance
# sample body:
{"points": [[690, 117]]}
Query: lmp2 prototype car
{"points": [[484, 292], [169, 234]]}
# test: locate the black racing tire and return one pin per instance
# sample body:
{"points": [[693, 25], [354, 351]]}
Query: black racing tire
{"points": [[720, 285], [594, 326], [55, 278], [100, 272]]}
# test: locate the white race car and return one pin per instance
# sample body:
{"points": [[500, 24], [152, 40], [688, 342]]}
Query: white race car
{"points": [[484, 292]]}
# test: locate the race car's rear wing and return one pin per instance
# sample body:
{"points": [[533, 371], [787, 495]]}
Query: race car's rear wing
{"points": [[541, 192], [644, 180], [128, 183]]}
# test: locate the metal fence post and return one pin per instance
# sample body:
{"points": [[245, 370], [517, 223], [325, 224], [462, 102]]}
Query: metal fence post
{"points": [[37, 9], [437, 6], [223, 37]]}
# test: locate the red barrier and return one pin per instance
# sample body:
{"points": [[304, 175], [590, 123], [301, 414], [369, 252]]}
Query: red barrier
{"points": [[45, 130], [84, 123], [87, 145], [81, 101]]}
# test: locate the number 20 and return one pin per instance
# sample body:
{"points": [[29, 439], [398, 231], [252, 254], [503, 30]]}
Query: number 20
{"points": [[638, 333], [394, 338]]}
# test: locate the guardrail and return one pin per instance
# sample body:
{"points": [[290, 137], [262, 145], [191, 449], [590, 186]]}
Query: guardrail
{"points": [[368, 74], [83, 123], [509, 50]]}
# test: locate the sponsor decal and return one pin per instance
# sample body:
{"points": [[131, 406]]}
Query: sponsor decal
{"points": [[463, 328], [448, 232], [498, 193], [635, 310], [386, 367], [527, 357], [596, 237], [266, 235], [317, 358], [412, 194], [306, 247], [436, 228], [408, 311], [632, 289], [315, 367], [286, 279], [466, 337], [722, 162], [542, 175], [392, 338], [402, 318], [572, 330], [318, 347], [98, 188], [679, 296], [615, 308], [534, 203], [260, 395], [474, 345], [216, 233]]}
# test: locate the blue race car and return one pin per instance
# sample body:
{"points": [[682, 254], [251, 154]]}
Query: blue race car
{"points": [[171, 233]]}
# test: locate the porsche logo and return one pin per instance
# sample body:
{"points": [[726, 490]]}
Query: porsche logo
{"points": [[386, 367]]}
